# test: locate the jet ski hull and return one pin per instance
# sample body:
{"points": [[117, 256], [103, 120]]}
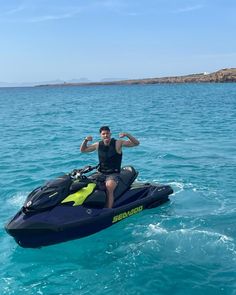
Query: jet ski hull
{"points": [[63, 223]]}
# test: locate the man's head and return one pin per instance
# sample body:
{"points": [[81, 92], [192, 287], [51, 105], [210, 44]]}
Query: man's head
{"points": [[104, 128], [105, 134]]}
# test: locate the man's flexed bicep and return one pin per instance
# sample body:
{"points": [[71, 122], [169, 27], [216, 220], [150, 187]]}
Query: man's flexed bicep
{"points": [[85, 148], [132, 141]]}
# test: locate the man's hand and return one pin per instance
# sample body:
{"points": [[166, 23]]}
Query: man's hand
{"points": [[89, 138], [123, 134]]}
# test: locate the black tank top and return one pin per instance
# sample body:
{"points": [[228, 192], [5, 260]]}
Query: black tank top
{"points": [[109, 159]]}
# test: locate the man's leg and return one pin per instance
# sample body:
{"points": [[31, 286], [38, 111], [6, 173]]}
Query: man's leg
{"points": [[110, 187]]}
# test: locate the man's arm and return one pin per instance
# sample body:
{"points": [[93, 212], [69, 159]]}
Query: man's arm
{"points": [[128, 143], [84, 148]]}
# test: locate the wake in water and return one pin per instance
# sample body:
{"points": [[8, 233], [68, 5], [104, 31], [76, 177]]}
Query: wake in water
{"points": [[17, 200], [204, 245]]}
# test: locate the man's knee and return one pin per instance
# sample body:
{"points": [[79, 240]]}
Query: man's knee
{"points": [[110, 184]]}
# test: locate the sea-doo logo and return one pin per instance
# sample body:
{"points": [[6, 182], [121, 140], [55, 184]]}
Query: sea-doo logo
{"points": [[127, 214]]}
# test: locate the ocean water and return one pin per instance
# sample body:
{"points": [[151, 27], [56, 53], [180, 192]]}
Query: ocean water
{"points": [[188, 140]]}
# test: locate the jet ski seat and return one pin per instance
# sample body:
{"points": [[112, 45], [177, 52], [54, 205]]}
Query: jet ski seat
{"points": [[98, 198]]}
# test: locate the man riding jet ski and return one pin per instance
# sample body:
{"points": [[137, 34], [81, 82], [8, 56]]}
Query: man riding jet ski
{"points": [[73, 206]]}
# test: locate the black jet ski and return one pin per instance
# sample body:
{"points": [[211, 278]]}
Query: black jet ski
{"points": [[72, 206]]}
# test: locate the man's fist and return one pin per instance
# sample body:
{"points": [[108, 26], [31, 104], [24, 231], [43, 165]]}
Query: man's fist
{"points": [[89, 138]]}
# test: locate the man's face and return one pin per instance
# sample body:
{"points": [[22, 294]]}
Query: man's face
{"points": [[105, 136]]}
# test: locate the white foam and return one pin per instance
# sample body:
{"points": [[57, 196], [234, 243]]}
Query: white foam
{"points": [[18, 199], [217, 235], [156, 228], [178, 187], [180, 241]]}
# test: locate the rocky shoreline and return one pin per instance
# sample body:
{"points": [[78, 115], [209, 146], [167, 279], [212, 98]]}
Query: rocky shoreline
{"points": [[221, 76]]}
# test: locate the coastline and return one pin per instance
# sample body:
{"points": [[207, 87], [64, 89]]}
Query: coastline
{"points": [[227, 75]]}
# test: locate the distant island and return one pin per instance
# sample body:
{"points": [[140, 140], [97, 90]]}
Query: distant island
{"points": [[221, 76]]}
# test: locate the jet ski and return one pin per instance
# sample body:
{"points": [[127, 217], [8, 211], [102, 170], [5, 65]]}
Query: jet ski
{"points": [[72, 206]]}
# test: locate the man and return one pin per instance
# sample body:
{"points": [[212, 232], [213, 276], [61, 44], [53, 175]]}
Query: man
{"points": [[110, 157]]}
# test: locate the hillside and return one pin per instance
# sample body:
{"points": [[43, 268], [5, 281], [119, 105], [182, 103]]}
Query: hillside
{"points": [[221, 76]]}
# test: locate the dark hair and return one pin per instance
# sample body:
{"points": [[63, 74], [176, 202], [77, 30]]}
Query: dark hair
{"points": [[104, 128]]}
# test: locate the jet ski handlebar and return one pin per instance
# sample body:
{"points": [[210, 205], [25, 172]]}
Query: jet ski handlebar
{"points": [[79, 173]]}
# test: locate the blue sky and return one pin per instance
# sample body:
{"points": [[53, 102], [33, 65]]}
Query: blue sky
{"points": [[44, 40]]}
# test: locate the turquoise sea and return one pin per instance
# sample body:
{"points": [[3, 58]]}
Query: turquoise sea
{"points": [[188, 140]]}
